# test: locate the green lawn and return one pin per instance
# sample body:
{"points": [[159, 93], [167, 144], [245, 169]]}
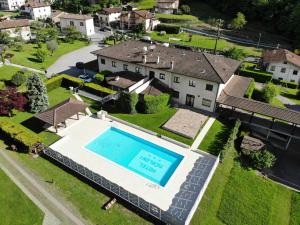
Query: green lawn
{"points": [[16, 208], [215, 137], [295, 210], [202, 42], [6, 72], [177, 17], [27, 58], [278, 103], [145, 4], [290, 94]]}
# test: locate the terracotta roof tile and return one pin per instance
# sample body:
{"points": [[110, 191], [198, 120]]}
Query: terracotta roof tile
{"points": [[281, 55], [6, 24]]}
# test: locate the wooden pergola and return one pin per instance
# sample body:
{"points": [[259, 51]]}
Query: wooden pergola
{"points": [[61, 112]]}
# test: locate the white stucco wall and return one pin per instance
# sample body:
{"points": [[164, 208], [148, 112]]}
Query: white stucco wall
{"points": [[106, 19], [85, 27], [11, 4], [288, 74], [199, 91], [24, 32], [39, 13]]}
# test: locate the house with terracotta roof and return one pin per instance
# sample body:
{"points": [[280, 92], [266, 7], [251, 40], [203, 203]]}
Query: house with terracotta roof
{"points": [[11, 5], [16, 28], [38, 10], [131, 19], [284, 65], [197, 79], [107, 16], [167, 6], [82, 23]]}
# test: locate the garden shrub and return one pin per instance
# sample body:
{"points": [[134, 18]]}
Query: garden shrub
{"points": [[11, 99], [260, 159], [292, 85], [250, 90], [231, 138], [19, 78], [53, 83], [2, 85], [169, 29], [258, 76], [97, 89], [269, 92], [19, 135], [155, 104], [101, 76], [128, 102]]}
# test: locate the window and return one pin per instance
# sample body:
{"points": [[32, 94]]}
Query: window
{"points": [[206, 102], [192, 83], [272, 68], [151, 74], [113, 63], [81, 24], [72, 23], [137, 69], [285, 62], [103, 61], [295, 72], [125, 67], [161, 76], [209, 87], [176, 80], [175, 94], [283, 69]]}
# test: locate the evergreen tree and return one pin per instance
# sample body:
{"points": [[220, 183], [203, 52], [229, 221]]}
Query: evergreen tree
{"points": [[37, 94]]}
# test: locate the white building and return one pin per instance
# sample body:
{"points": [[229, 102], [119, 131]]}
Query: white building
{"points": [[82, 23], [109, 15], [197, 79], [11, 5], [284, 65], [167, 6], [16, 28], [37, 10]]}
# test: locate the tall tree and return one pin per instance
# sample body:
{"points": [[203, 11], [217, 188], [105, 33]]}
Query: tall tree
{"points": [[37, 94], [239, 21]]}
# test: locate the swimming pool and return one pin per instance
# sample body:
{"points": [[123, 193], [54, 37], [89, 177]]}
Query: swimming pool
{"points": [[145, 158]]}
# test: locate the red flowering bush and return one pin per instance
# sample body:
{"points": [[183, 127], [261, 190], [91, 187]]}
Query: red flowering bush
{"points": [[11, 99]]}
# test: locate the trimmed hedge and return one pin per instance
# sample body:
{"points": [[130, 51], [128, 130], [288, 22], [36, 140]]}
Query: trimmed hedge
{"points": [[128, 102], [258, 76], [155, 104], [292, 85], [250, 90], [97, 89], [232, 136], [18, 134], [69, 81], [169, 29]]}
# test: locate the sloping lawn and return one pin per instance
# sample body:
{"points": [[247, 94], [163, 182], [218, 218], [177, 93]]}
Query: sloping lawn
{"points": [[27, 58], [6, 72], [154, 122], [145, 4], [202, 42], [251, 199], [295, 211], [16, 208], [215, 137]]}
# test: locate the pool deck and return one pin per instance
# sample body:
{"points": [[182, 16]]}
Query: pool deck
{"points": [[179, 196]]}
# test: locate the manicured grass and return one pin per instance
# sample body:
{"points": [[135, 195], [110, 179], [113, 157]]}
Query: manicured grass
{"points": [[6, 72], [145, 4], [87, 200], [278, 103], [251, 199], [290, 94], [177, 17], [295, 209], [215, 137], [16, 208], [154, 122], [27, 58], [202, 42]]}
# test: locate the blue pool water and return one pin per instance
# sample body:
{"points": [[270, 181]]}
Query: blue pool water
{"points": [[136, 154]]}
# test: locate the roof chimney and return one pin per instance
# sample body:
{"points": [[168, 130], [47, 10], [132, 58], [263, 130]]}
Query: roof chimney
{"points": [[157, 60], [144, 59], [172, 65]]}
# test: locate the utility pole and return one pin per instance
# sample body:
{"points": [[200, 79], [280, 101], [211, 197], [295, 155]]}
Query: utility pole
{"points": [[258, 43], [219, 24]]}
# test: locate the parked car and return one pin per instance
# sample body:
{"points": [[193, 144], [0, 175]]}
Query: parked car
{"points": [[80, 65], [86, 78]]}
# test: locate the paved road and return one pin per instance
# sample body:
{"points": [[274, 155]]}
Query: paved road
{"points": [[56, 210]]}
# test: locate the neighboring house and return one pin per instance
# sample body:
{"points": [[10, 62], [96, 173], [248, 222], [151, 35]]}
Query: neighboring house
{"points": [[131, 19], [197, 79], [37, 10], [284, 65], [82, 23], [16, 28], [107, 16], [55, 16], [167, 6], [11, 4]]}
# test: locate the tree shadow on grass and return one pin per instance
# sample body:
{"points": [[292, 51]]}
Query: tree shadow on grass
{"points": [[219, 141], [34, 124], [33, 60]]}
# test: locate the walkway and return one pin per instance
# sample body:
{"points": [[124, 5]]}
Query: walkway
{"points": [[203, 132], [56, 212]]}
